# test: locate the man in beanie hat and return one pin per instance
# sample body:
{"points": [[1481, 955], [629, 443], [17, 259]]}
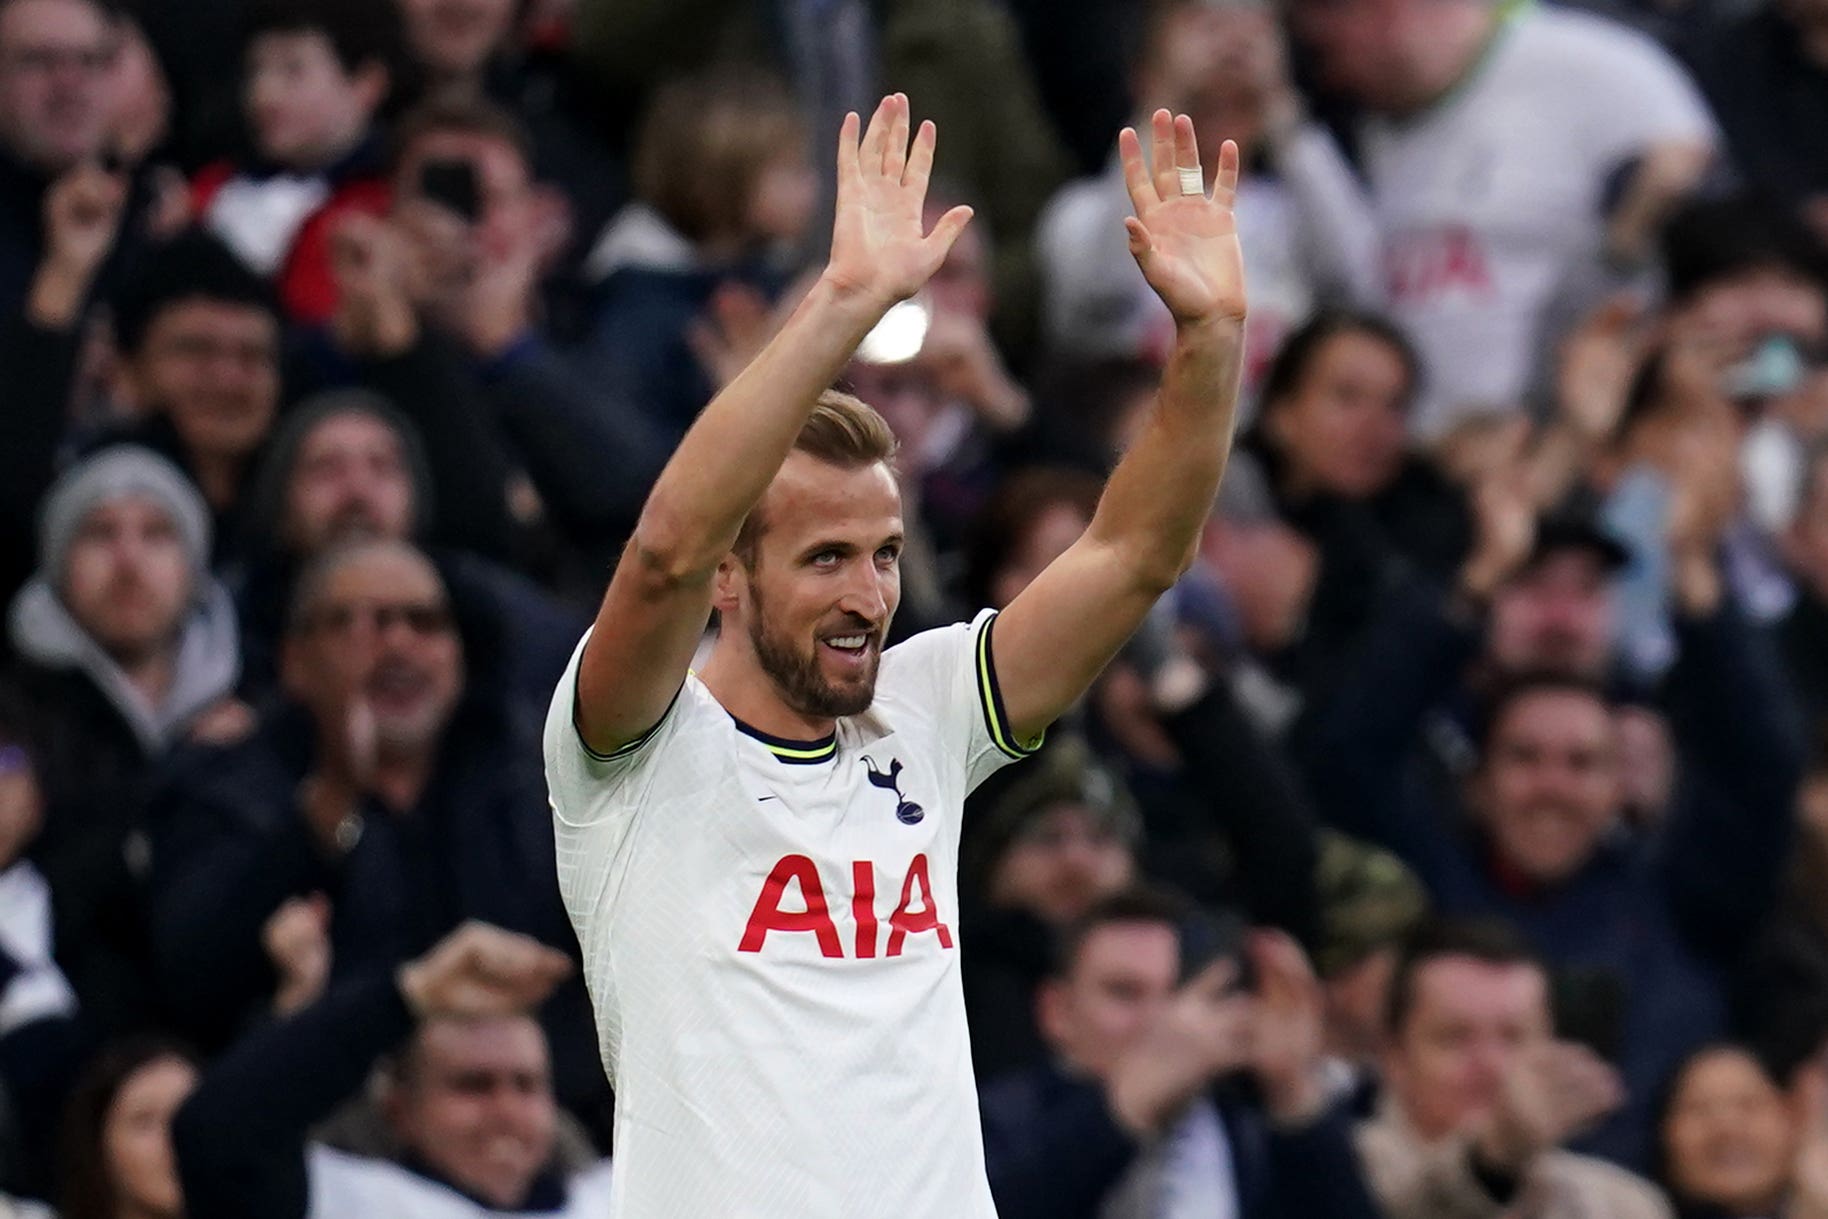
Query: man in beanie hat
{"points": [[125, 648]]}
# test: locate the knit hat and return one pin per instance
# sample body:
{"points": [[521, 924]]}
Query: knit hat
{"points": [[111, 474], [1368, 900]]}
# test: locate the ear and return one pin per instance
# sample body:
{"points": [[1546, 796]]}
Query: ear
{"points": [[1051, 1011], [372, 83], [552, 220], [727, 589]]}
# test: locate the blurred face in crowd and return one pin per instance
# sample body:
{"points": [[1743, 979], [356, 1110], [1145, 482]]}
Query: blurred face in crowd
{"points": [[21, 802], [213, 368], [962, 283], [1269, 572], [305, 108], [1122, 975], [54, 62], [1548, 785], [381, 620], [1343, 429], [457, 38], [1062, 862], [350, 481], [1557, 616], [1728, 1137], [1356, 999], [1467, 1021], [127, 580], [824, 581], [513, 210], [1047, 536], [785, 193], [137, 1138], [909, 396], [474, 1101], [139, 94]]}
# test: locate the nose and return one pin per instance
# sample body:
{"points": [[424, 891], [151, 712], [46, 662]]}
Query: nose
{"points": [[866, 594]]}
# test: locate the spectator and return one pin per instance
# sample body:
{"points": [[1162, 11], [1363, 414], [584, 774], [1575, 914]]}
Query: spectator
{"points": [[1765, 72], [1804, 630], [1059, 838], [317, 73], [39, 1043], [1734, 1149], [723, 191], [1474, 283], [469, 1098], [1303, 241], [1481, 1097], [55, 118], [1135, 1114], [128, 649], [117, 1156], [1533, 835], [143, 112], [397, 782], [345, 466]]}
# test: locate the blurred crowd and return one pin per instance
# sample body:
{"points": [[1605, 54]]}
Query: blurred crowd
{"points": [[1453, 843]]}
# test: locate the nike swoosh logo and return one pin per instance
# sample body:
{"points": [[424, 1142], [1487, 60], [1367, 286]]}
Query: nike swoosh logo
{"points": [[760, 799]]}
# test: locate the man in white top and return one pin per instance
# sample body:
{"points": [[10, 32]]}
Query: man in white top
{"points": [[761, 858], [1496, 144]]}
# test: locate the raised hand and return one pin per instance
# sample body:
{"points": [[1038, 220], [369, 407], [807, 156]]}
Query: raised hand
{"points": [[879, 249], [1185, 242], [82, 216], [297, 940], [1291, 1029], [1549, 1094], [1201, 1033], [480, 970]]}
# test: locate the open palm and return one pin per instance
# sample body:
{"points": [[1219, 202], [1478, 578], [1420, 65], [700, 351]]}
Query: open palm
{"points": [[878, 244], [1186, 244]]}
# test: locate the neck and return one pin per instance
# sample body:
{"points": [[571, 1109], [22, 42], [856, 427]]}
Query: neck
{"points": [[1460, 35], [218, 477], [736, 680], [151, 674], [400, 778]]}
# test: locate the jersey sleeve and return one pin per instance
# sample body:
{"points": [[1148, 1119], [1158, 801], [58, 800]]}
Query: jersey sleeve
{"points": [[951, 670], [1645, 94]]}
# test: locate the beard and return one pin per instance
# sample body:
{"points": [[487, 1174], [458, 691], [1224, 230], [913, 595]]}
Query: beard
{"points": [[796, 674]]}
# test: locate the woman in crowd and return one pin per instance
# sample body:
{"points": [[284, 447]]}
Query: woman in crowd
{"points": [[117, 1158], [1734, 1147]]}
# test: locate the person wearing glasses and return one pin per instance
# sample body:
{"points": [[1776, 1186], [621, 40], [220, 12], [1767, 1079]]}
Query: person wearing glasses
{"points": [[392, 780]]}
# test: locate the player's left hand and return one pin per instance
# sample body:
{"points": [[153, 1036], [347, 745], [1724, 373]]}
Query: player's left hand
{"points": [[1185, 243]]}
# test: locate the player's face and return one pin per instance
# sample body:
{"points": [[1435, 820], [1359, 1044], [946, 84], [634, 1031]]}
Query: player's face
{"points": [[477, 1106], [1558, 617], [1466, 1024], [127, 579], [1548, 785], [1122, 975], [825, 583], [350, 481]]}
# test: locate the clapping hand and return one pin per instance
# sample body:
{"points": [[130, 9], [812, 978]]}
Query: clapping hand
{"points": [[1185, 242], [879, 250], [479, 971]]}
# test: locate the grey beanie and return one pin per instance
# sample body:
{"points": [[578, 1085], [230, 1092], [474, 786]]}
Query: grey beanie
{"points": [[114, 472]]}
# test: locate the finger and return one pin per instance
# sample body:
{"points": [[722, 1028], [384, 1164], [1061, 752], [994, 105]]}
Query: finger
{"points": [[895, 153], [1226, 180], [1136, 171], [939, 242], [1186, 147], [1161, 155], [1213, 981], [920, 160], [876, 138], [1141, 244]]}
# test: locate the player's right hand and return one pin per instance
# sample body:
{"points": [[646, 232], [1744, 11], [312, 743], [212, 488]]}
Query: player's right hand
{"points": [[481, 970], [879, 249]]}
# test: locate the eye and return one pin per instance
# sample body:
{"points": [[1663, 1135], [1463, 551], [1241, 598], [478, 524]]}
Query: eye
{"points": [[888, 555], [826, 559]]}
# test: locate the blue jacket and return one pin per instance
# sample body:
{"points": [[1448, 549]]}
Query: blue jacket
{"points": [[1054, 1151], [1666, 916]]}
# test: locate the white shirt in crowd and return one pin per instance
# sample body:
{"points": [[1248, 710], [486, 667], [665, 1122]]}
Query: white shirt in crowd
{"points": [[345, 1186], [770, 936], [1491, 204]]}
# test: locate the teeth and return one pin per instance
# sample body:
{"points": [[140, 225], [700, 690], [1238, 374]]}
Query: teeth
{"points": [[847, 641]]}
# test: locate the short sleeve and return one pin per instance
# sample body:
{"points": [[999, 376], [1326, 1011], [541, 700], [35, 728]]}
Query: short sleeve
{"points": [[584, 784], [1643, 92], [951, 669]]}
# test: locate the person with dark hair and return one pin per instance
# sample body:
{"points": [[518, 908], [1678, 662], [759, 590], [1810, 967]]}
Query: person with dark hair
{"points": [[1733, 1146], [127, 650], [1481, 1097], [1141, 1107], [1531, 828], [316, 75], [117, 1160], [395, 779], [467, 1098]]}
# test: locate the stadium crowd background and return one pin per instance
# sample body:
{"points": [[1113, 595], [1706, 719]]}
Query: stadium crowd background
{"points": [[1484, 747]]}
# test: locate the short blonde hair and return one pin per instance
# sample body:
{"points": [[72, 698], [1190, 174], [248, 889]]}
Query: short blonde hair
{"points": [[843, 430]]}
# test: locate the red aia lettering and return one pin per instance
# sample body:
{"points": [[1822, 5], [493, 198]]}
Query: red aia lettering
{"points": [[768, 915], [917, 912]]}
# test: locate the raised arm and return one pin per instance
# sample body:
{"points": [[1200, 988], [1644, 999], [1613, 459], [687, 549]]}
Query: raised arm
{"points": [[660, 596], [1064, 628]]}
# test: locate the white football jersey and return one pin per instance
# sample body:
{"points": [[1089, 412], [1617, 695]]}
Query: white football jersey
{"points": [[770, 936]]}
